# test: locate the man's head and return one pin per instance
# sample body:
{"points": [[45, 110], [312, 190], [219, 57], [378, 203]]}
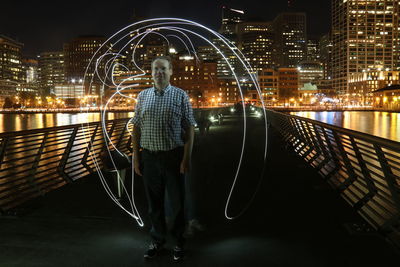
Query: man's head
{"points": [[161, 70]]}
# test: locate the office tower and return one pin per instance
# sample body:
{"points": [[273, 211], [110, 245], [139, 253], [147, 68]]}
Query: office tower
{"points": [[290, 38], [310, 72], [148, 49], [365, 38], [230, 18], [10, 60], [78, 54], [197, 78], [313, 47], [268, 79], [30, 67], [11, 73], [288, 84], [255, 40], [51, 70], [325, 55]]}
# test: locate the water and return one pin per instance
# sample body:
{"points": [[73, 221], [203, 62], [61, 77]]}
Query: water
{"points": [[383, 124], [18, 122]]}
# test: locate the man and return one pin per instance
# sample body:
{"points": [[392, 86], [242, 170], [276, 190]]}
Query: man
{"points": [[164, 129]]}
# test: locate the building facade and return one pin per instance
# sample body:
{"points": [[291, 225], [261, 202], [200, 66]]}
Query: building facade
{"points": [[290, 39], [255, 40], [51, 70], [365, 37], [79, 61]]}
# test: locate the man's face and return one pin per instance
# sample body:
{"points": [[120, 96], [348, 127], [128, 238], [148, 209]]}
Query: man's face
{"points": [[161, 71]]}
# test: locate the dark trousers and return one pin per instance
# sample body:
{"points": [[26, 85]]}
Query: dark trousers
{"points": [[161, 173]]}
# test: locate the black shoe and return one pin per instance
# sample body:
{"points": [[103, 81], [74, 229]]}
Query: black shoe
{"points": [[178, 253], [154, 248]]}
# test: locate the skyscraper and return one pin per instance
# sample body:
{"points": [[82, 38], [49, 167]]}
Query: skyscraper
{"points": [[10, 60], [78, 54], [290, 38], [51, 70], [365, 38], [230, 18], [11, 74], [255, 40]]}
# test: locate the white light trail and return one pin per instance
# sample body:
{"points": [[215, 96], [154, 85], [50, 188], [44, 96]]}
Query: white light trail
{"points": [[156, 26]]}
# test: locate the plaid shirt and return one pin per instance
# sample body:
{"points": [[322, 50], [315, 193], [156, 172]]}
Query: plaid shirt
{"points": [[163, 118]]}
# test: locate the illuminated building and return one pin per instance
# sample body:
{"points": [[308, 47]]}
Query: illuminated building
{"points": [[387, 98], [268, 79], [11, 73], [363, 85], [228, 91], [310, 72], [134, 82], [74, 94], [288, 84], [313, 47], [255, 40], [198, 79], [148, 48], [51, 70], [207, 53], [290, 39], [31, 83], [325, 55], [10, 60], [78, 53], [278, 86], [365, 36], [230, 18], [30, 66]]}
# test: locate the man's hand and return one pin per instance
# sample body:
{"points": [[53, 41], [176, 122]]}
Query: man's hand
{"points": [[136, 166], [185, 166]]}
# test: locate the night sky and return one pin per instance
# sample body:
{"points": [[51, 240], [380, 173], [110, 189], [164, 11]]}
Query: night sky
{"points": [[45, 27]]}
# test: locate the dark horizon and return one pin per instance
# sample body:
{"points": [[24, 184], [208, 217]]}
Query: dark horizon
{"points": [[41, 27]]}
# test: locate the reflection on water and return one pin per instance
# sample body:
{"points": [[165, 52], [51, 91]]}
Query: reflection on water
{"points": [[383, 124], [18, 122]]}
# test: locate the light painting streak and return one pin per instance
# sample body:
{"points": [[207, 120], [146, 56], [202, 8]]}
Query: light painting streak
{"points": [[153, 29]]}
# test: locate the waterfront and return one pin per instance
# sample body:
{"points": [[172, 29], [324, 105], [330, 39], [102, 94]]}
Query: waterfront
{"points": [[383, 124], [378, 123], [19, 122]]}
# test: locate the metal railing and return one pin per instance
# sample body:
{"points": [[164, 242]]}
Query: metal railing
{"points": [[34, 162], [365, 169]]}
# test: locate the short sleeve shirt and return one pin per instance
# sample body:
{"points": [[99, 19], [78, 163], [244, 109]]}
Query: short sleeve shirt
{"points": [[163, 118]]}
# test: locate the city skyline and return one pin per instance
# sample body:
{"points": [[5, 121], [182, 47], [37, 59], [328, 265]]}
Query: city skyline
{"points": [[44, 28]]}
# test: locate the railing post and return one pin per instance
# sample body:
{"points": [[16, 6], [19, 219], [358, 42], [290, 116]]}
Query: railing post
{"points": [[35, 164], [347, 164], [367, 176], [391, 182], [333, 155], [320, 144], [121, 136], [3, 149], [65, 156], [89, 147]]}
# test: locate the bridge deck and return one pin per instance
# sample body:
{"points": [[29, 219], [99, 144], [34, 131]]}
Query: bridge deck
{"points": [[295, 219]]}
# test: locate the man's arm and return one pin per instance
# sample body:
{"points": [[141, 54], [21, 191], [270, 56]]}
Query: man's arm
{"points": [[136, 142], [136, 120], [187, 152]]}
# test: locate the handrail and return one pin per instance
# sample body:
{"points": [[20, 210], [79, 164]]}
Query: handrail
{"points": [[365, 169], [34, 162]]}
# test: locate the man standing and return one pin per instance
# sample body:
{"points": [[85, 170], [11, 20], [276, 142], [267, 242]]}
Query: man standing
{"points": [[164, 129]]}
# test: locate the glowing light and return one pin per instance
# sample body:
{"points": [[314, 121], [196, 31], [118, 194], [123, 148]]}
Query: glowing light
{"points": [[156, 26]]}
